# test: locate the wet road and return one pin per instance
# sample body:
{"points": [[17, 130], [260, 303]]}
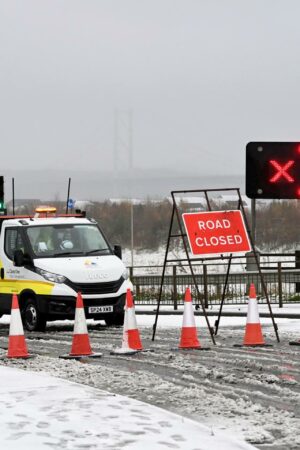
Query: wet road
{"points": [[253, 392]]}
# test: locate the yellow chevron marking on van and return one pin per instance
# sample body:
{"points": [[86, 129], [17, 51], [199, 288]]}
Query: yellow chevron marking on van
{"points": [[13, 286]]}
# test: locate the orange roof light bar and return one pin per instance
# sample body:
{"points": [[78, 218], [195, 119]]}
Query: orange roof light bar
{"points": [[43, 211]]}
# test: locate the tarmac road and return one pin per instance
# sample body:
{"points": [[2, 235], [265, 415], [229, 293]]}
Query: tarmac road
{"points": [[251, 392]]}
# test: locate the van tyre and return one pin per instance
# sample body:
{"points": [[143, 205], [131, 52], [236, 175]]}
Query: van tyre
{"points": [[33, 319], [115, 319]]}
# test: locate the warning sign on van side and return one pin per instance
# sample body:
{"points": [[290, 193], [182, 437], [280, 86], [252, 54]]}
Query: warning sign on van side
{"points": [[216, 232]]}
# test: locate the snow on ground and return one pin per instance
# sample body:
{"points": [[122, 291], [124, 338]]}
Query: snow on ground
{"points": [[291, 325], [38, 411], [151, 261], [143, 258], [176, 320], [54, 413], [148, 258]]}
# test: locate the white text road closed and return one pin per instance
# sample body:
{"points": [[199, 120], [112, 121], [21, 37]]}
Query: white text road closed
{"points": [[218, 240], [216, 232]]}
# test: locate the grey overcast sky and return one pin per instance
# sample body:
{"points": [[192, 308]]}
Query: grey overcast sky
{"points": [[202, 78]]}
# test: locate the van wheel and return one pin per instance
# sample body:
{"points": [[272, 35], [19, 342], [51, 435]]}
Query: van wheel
{"points": [[114, 319], [33, 319]]}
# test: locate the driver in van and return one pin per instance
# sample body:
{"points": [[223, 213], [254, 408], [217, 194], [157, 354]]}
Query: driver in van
{"points": [[44, 241], [65, 239]]}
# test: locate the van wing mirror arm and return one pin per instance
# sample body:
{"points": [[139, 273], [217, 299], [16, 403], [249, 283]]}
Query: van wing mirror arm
{"points": [[118, 251], [18, 258]]}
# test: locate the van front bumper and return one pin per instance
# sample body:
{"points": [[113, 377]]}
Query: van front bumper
{"points": [[63, 307]]}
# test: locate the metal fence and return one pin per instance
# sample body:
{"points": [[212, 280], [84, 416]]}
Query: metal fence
{"points": [[281, 278]]}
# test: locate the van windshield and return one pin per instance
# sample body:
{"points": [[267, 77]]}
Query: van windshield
{"points": [[66, 240]]}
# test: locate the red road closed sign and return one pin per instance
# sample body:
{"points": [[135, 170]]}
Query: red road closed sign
{"points": [[216, 232]]}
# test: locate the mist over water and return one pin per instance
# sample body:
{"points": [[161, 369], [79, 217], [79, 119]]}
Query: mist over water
{"points": [[97, 186]]}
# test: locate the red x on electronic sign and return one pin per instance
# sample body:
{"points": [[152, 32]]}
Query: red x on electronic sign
{"points": [[273, 170], [281, 171]]}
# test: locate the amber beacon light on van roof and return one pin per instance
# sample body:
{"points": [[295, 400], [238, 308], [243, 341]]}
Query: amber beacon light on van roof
{"points": [[45, 211], [273, 170]]}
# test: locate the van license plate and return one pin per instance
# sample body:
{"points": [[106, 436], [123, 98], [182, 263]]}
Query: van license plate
{"points": [[100, 309]]}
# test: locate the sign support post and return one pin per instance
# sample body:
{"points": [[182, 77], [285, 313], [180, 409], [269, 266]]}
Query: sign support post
{"points": [[223, 295], [253, 220]]}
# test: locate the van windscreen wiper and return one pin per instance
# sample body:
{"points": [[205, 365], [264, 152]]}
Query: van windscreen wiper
{"points": [[96, 250]]}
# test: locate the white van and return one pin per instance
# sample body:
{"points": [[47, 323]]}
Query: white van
{"points": [[48, 260]]}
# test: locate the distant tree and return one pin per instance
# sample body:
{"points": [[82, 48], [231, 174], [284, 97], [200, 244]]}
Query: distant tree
{"points": [[277, 223]]}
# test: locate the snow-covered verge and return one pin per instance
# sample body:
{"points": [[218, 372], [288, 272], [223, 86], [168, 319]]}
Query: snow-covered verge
{"points": [[152, 261], [252, 394], [42, 412]]}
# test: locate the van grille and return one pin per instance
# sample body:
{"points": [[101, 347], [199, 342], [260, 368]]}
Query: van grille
{"points": [[96, 288]]}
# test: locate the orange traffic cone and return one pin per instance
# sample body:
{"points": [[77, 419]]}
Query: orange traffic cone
{"points": [[188, 337], [81, 343], [253, 332], [131, 342], [132, 334], [17, 347]]}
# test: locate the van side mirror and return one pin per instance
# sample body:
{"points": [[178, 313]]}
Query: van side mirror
{"points": [[18, 258], [118, 251]]}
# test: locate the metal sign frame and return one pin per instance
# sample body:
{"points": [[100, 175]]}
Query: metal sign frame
{"points": [[175, 216]]}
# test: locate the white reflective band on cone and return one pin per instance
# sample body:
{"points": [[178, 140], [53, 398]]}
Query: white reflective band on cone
{"points": [[252, 315], [16, 326], [125, 334], [131, 319], [80, 323], [188, 315]]}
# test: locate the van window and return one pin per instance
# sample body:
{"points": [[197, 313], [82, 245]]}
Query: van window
{"points": [[13, 241], [90, 237], [48, 241]]}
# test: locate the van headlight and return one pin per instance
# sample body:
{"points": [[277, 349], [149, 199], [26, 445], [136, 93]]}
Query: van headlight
{"points": [[125, 274], [49, 276]]}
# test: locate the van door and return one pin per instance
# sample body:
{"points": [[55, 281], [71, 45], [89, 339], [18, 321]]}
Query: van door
{"points": [[11, 276]]}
